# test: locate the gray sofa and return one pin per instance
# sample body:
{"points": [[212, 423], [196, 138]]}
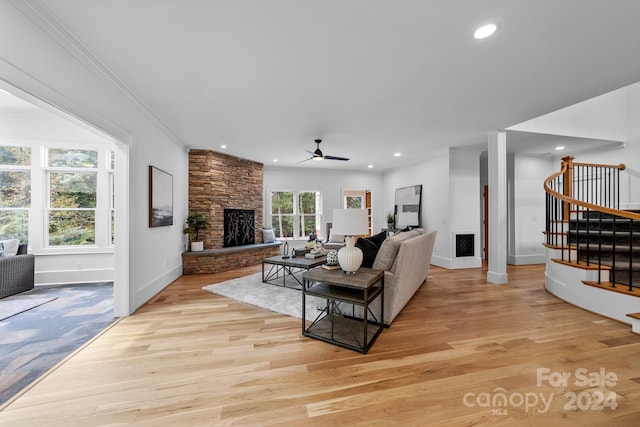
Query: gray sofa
{"points": [[16, 272], [405, 258]]}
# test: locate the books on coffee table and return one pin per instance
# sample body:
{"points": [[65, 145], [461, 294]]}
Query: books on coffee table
{"points": [[313, 256], [331, 267]]}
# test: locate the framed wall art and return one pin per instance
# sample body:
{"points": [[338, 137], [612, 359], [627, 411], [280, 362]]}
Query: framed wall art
{"points": [[160, 198], [407, 206]]}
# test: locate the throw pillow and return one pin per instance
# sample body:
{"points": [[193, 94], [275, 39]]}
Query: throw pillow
{"points": [[386, 254], [10, 247], [378, 238], [268, 235], [369, 251], [335, 238]]}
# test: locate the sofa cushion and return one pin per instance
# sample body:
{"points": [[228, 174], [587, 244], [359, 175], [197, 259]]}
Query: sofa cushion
{"points": [[335, 238], [369, 251], [10, 247], [389, 249]]}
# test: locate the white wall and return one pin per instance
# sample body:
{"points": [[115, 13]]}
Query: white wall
{"points": [[629, 155], [465, 205], [433, 175], [46, 66], [331, 183], [527, 212]]}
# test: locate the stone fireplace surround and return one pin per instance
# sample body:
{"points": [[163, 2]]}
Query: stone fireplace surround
{"points": [[218, 181]]}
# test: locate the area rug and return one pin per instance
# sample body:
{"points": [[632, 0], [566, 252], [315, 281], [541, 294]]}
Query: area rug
{"points": [[35, 340], [16, 304], [251, 290]]}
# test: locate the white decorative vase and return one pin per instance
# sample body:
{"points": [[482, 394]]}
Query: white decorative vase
{"points": [[197, 246], [350, 257]]}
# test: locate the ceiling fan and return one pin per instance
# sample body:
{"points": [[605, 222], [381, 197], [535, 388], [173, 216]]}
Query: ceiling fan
{"points": [[317, 154]]}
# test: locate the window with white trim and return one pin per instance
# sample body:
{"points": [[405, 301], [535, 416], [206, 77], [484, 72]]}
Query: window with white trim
{"points": [[72, 178], [15, 192], [295, 214]]}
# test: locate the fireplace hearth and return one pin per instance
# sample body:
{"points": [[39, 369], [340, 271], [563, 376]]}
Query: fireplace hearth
{"points": [[239, 227]]}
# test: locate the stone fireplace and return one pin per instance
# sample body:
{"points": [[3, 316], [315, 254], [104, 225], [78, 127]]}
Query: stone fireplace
{"points": [[219, 183]]}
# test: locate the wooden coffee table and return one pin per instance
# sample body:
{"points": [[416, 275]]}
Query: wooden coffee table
{"points": [[281, 268], [348, 319]]}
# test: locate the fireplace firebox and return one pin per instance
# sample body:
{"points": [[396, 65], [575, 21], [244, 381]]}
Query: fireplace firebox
{"points": [[239, 227]]}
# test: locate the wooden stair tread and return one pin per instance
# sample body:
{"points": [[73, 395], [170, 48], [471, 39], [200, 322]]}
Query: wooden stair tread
{"points": [[634, 315], [581, 264], [620, 288]]}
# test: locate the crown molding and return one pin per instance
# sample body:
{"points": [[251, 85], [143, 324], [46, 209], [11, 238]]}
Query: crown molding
{"points": [[44, 19]]}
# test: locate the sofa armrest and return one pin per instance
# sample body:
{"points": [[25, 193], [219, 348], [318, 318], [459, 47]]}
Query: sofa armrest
{"points": [[16, 274]]}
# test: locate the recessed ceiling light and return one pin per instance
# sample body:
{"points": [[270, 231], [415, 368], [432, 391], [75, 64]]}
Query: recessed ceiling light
{"points": [[275, 160], [560, 147], [370, 166], [223, 146], [485, 31], [397, 154]]}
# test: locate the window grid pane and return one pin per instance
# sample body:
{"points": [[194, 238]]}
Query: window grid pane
{"points": [[15, 156], [14, 224], [72, 189], [15, 189], [71, 158], [72, 227]]}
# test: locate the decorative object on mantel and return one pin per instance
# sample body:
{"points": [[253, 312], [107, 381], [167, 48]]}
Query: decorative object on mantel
{"points": [[351, 223], [390, 220], [160, 198], [195, 223]]}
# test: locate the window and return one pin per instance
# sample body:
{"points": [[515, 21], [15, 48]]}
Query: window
{"points": [[72, 184], [353, 202], [295, 214], [15, 192]]}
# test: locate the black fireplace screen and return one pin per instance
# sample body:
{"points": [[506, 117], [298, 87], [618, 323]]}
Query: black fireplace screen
{"points": [[239, 227]]}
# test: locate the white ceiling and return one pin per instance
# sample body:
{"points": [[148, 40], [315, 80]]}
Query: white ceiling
{"points": [[369, 77]]}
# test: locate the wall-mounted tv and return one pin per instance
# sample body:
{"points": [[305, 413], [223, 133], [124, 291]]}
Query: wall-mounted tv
{"points": [[407, 206]]}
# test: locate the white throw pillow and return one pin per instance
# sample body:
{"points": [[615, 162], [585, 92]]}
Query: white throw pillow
{"points": [[335, 238], [10, 247], [268, 235]]}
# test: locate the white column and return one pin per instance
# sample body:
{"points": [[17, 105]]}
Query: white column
{"points": [[497, 271]]}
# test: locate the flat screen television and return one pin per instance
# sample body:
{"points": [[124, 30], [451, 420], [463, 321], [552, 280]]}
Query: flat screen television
{"points": [[407, 206]]}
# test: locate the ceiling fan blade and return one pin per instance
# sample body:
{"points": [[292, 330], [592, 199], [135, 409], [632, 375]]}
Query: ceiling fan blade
{"points": [[305, 160], [335, 158]]}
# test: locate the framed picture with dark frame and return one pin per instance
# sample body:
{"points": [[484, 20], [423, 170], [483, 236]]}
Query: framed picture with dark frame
{"points": [[160, 198]]}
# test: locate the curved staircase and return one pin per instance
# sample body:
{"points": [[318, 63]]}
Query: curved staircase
{"points": [[593, 247]]}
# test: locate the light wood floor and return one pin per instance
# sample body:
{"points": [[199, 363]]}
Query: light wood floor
{"points": [[190, 358]]}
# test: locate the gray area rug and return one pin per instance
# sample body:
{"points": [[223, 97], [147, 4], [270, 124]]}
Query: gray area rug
{"points": [[35, 340], [16, 304], [251, 290]]}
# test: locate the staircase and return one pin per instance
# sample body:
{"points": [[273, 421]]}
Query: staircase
{"points": [[608, 240], [590, 241]]}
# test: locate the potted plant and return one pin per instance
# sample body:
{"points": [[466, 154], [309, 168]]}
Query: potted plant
{"points": [[195, 223], [390, 220]]}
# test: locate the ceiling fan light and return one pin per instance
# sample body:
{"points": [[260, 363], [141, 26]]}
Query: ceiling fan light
{"points": [[485, 31]]}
